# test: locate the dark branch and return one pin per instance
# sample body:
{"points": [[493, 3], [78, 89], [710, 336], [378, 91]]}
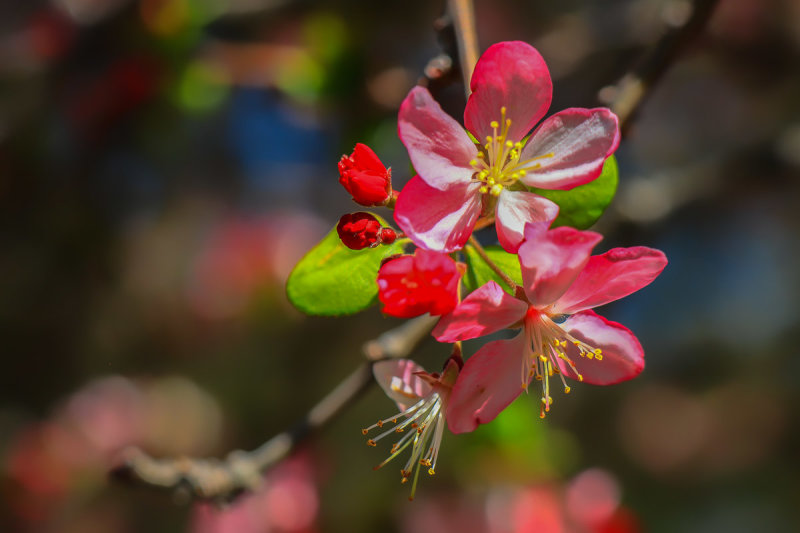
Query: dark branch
{"points": [[626, 97], [462, 15], [222, 480]]}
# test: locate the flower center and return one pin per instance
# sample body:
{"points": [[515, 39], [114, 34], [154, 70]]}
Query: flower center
{"points": [[545, 343], [498, 164]]}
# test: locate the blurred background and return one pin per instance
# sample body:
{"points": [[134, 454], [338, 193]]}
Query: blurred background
{"points": [[164, 163]]}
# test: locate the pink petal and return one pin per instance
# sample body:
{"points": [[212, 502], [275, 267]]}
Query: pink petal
{"points": [[623, 357], [490, 380], [438, 220], [551, 260], [511, 74], [398, 379], [580, 141], [484, 311], [438, 146], [611, 276], [514, 210]]}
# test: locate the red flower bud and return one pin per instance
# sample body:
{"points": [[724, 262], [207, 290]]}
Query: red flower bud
{"points": [[359, 230], [365, 177], [426, 282], [387, 235]]}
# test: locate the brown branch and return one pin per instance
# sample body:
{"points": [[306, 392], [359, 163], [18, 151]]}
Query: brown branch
{"points": [[462, 14], [626, 97], [222, 480]]}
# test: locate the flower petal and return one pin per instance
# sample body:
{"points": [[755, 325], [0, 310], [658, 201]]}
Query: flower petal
{"points": [[611, 276], [484, 311], [489, 381], [580, 141], [438, 220], [551, 260], [514, 210], [623, 357], [511, 75], [398, 379], [438, 146]]}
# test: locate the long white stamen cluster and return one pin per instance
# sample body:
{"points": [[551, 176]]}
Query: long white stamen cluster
{"points": [[423, 427]]}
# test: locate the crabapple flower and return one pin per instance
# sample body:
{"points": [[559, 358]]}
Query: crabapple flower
{"points": [[363, 230], [461, 180], [365, 177], [422, 399], [559, 334], [412, 285]]}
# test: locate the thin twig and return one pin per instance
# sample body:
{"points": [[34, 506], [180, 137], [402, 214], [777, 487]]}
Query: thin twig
{"points": [[499, 271], [626, 97], [463, 16], [222, 480]]}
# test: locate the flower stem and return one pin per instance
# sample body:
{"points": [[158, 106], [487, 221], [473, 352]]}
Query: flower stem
{"points": [[481, 252]]}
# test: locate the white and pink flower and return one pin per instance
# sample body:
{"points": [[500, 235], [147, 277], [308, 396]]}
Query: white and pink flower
{"points": [[559, 334], [459, 179]]}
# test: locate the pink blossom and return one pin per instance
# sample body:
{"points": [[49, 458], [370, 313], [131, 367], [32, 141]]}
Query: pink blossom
{"points": [[423, 401], [559, 334], [460, 180]]}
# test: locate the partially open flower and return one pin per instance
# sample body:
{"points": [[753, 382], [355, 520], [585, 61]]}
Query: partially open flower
{"points": [[412, 285], [422, 399], [365, 177]]}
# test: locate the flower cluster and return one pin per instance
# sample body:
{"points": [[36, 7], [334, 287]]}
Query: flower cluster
{"points": [[475, 176]]}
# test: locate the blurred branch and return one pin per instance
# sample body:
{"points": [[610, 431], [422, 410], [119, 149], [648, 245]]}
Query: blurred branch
{"points": [[463, 17], [686, 20], [223, 480], [456, 34]]}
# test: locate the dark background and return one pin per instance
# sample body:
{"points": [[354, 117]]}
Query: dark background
{"points": [[164, 163]]}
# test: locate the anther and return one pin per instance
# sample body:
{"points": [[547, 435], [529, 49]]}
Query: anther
{"points": [[494, 124], [371, 442], [364, 431]]}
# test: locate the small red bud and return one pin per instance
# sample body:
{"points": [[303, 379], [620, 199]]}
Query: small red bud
{"points": [[365, 177], [387, 236], [359, 230]]}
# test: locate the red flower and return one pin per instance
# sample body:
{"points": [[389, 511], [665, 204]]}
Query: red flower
{"points": [[362, 230], [412, 285], [365, 177]]}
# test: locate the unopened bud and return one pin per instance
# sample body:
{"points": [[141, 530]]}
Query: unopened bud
{"points": [[359, 230], [387, 235], [365, 177]]}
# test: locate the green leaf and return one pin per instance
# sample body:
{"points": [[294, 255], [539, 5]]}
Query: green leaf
{"points": [[582, 206], [478, 272], [334, 280]]}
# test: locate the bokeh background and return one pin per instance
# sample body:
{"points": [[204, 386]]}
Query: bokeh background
{"points": [[164, 163]]}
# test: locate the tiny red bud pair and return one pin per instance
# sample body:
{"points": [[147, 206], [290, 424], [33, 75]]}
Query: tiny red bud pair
{"points": [[365, 177], [363, 230]]}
